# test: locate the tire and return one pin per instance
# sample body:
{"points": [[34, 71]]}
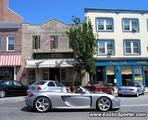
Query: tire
{"points": [[137, 94], [42, 104], [119, 95], [2, 94], [104, 104]]}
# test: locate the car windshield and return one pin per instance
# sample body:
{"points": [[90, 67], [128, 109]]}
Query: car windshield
{"points": [[86, 90], [40, 82], [5, 82]]}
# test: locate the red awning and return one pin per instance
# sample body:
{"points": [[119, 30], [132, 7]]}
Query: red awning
{"points": [[10, 60]]}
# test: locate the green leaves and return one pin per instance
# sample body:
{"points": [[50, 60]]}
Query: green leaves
{"points": [[83, 43]]}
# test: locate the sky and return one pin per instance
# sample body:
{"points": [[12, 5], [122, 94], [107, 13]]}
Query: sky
{"points": [[41, 11]]}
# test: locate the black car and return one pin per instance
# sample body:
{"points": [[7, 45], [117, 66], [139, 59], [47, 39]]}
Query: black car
{"points": [[12, 88]]}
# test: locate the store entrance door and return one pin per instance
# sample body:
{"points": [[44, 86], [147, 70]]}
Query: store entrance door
{"points": [[54, 74]]}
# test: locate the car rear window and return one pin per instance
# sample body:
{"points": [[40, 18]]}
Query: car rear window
{"points": [[58, 84], [40, 83]]}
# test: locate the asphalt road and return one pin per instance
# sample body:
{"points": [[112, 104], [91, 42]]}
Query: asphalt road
{"points": [[14, 108]]}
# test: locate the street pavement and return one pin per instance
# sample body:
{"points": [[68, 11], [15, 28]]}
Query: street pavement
{"points": [[14, 108]]}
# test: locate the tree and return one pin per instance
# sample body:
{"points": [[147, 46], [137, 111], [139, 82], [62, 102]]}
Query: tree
{"points": [[83, 43]]}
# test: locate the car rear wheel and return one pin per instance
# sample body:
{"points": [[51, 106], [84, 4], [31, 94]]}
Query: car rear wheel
{"points": [[42, 104], [137, 94], [2, 94], [104, 104]]}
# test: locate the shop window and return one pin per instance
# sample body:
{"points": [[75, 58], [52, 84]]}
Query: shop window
{"points": [[126, 75], [31, 76], [110, 75], [130, 25], [132, 47], [106, 47], [104, 24], [10, 43], [7, 73], [36, 42], [137, 73]]}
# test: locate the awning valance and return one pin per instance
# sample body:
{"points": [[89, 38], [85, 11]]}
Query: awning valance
{"points": [[50, 63], [10, 60]]}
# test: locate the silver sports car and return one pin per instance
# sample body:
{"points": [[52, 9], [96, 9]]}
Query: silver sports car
{"points": [[134, 89], [80, 99]]}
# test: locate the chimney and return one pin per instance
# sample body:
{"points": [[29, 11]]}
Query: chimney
{"points": [[3, 4]]}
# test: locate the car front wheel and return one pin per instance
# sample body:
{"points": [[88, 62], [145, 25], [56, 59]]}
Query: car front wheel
{"points": [[42, 104], [104, 104], [2, 94]]}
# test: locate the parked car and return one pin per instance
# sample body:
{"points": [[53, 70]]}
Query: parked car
{"points": [[134, 89], [12, 88], [80, 99], [47, 85], [100, 88]]}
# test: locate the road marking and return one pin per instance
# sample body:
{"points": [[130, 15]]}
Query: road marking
{"points": [[140, 105]]}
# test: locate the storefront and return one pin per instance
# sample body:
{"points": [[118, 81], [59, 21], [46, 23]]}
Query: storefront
{"points": [[121, 72], [10, 67], [61, 70]]}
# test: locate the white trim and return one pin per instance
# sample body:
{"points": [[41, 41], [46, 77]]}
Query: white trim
{"points": [[7, 42]]}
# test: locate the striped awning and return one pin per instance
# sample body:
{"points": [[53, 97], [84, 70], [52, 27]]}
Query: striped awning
{"points": [[10, 60]]}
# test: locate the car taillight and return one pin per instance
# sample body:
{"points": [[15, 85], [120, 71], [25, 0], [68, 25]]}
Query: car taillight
{"points": [[29, 94], [39, 88]]}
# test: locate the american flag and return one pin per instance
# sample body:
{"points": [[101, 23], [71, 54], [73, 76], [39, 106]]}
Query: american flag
{"points": [[50, 38]]}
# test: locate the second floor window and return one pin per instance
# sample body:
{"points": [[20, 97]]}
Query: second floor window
{"points": [[10, 43], [130, 25], [36, 42], [104, 24], [54, 42], [106, 47], [131, 47]]}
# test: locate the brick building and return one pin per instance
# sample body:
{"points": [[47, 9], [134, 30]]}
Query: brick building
{"points": [[10, 43]]}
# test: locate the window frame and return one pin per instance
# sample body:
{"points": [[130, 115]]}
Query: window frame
{"points": [[132, 46], [104, 24], [54, 43], [36, 42], [106, 48], [130, 25], [10, 35]]}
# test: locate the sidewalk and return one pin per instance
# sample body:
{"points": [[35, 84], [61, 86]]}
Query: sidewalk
{"points": [[146, 90]]}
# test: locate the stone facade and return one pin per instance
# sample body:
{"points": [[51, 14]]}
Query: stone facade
{"points": [[61, 53]]}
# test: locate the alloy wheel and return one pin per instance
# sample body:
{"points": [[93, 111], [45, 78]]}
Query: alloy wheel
{"points": [[104, 104], [42, 104]]}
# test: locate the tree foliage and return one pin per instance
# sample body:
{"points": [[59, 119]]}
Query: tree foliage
{"points": [[83, 43]]}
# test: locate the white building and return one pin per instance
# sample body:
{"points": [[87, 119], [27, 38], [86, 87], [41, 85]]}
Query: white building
{"points": [[122, 45]]}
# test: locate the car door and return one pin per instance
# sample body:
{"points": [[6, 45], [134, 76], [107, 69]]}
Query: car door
{"points": [[77, 100], [9, 88], [18, 88]]}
